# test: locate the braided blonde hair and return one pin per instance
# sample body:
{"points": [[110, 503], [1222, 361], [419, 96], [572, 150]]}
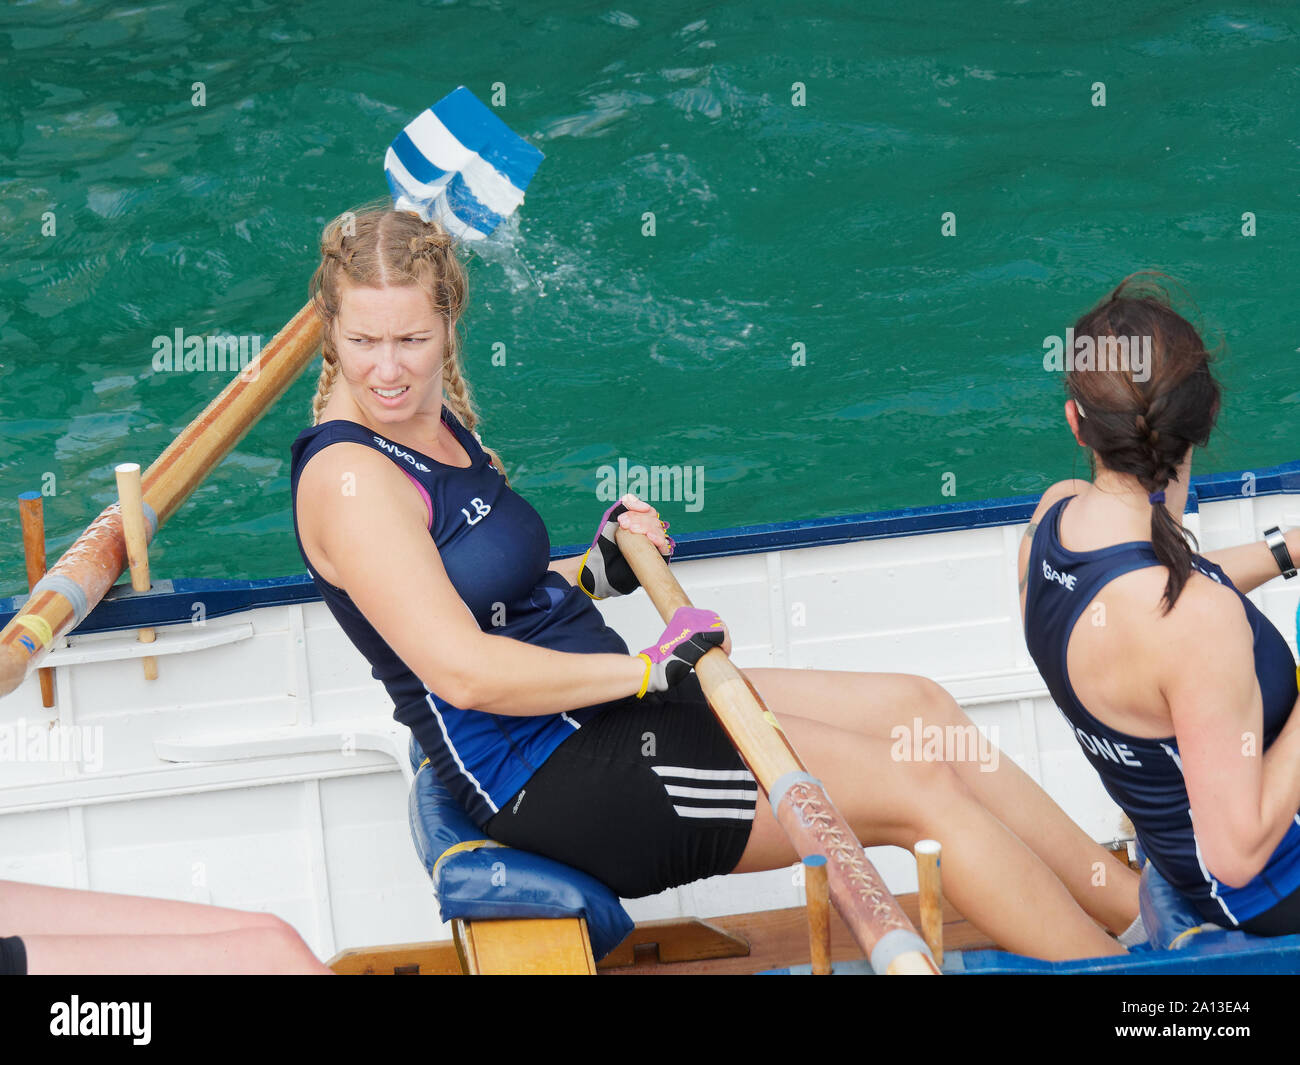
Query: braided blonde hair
{"points": [[379, 246]]}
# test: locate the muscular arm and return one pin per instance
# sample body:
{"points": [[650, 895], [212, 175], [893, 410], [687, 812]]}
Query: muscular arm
{"points": [[374, 538], [1250, 565], [1242, 799]]}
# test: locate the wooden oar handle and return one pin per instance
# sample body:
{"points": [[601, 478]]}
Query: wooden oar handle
{"points": [[653, 573], [802, 808]]}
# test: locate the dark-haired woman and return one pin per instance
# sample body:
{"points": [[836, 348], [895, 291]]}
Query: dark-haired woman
{"points": [[1178, 689]]}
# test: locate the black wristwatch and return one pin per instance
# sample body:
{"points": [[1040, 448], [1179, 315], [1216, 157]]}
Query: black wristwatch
{"points": [[1277, 544]]}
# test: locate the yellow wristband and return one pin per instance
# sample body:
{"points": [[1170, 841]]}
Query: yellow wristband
{"points": [[645, 683], [581, 566]]}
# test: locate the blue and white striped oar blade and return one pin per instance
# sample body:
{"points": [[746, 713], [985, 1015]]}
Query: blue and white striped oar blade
{"points": [[460, 165]]}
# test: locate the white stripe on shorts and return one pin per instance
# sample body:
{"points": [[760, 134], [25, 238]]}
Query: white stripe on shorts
{"points": [[703, 774], [721, 811], [711, 793]]}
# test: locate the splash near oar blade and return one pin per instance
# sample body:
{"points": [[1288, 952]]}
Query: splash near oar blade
{"points": [[460, 165]]}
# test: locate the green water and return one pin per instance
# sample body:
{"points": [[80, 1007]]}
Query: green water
{"points": [[776, 225]]}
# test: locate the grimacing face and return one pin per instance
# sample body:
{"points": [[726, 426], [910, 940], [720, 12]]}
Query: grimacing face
{"points": [[391, 345]]}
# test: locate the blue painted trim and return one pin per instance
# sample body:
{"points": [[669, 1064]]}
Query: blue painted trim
{"points": [[1230, 953], [174, 603]]}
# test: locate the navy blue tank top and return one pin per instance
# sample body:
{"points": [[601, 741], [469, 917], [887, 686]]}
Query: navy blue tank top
{"points": [[1145, 776], [495, 549]]}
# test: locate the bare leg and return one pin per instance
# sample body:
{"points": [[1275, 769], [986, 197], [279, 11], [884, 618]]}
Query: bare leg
{"points": [[875, 703], [243, 951], [73, 931], [35, 909], [991, 876]]}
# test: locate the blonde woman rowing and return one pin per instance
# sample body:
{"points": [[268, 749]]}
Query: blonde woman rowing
{"points": [[532, 710]]}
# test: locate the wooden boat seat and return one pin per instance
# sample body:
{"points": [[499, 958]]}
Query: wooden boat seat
{"points": [[517, 912]]}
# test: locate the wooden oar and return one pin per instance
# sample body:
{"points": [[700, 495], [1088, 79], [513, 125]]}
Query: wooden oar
{"points": [[80, 579], [813, 825]]}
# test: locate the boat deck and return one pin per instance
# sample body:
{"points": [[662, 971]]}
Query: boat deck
{"points": [[779, 939]]}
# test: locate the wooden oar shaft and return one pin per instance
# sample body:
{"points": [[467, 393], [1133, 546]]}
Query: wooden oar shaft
{"points": [[98, 557], [803, 810]]}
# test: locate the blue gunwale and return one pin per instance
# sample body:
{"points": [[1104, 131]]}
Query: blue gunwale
{"points": [[171, 602]]}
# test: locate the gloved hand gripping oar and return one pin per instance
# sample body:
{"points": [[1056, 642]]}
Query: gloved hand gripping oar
{"points": [[799, 801]]}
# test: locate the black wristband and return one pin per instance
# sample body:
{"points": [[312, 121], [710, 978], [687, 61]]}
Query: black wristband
{"points": [[1277, 544]]}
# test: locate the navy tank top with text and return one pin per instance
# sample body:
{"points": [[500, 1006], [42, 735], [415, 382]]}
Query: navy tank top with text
{"points": [[496, 550], [1145, 776]]}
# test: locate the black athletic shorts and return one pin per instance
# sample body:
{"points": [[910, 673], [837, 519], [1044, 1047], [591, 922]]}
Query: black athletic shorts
{"points": [[648, 795], [13, 957]]}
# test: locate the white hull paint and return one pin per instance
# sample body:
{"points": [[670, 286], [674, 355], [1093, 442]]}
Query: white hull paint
{"points": [[263, 770]]}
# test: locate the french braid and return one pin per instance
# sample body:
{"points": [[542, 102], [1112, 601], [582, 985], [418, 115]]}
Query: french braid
{"points": [[379, 246]]}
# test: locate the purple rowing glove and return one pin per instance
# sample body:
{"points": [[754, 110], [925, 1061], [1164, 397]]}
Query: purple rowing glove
{"points": [[690, 633], [604, 571]]}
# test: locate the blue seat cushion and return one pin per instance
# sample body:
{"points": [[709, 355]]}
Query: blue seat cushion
{"points": [[494, 881], [1170, 920]]}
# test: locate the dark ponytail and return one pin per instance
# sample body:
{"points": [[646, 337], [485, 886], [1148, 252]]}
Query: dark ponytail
{"points": [[1144, 427]]}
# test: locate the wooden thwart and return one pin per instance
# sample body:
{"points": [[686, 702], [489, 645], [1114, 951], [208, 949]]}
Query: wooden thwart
{"points": [[400, 959], [770, 939], [675, 940], [532, 947], [549, 945]]}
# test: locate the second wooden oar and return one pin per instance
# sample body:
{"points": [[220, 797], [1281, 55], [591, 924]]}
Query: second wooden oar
{"points": [[80, 579], [798, 799]]}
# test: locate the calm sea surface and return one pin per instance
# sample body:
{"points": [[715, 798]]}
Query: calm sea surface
{"points": [[798, 330]]}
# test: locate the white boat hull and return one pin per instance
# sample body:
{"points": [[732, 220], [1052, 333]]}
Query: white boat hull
{"points": [[263, 770]]}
